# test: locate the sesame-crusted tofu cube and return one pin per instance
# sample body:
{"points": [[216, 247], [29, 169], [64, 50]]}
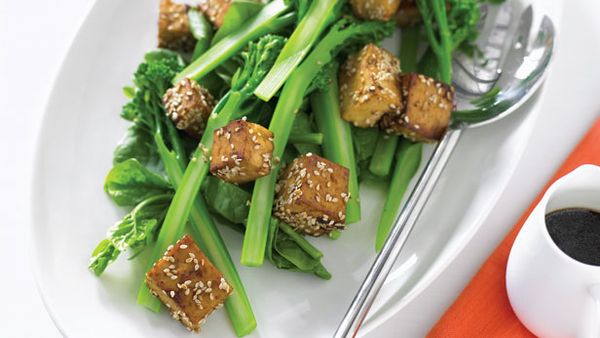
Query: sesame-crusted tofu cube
{"points": [[408, 14], [312, 193], [174, 27], [381, 10], [428, 105], [369, 86], [242, 152], [188, 284], [215, 10], [189, 105]]}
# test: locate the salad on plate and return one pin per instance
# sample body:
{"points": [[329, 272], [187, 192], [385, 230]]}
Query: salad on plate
{"points": [[265, 117]]}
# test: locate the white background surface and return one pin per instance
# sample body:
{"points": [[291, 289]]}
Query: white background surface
{"points": [[34, 37]]}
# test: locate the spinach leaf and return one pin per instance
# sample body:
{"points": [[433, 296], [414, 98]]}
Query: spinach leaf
{"points": [[257, 111], [138, 144], [365, 140], [135, 231], [129, 183], [286, 253], [226, 199]]}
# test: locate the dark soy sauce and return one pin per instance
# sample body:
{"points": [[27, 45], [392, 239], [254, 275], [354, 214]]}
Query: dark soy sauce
{"points": [[576, 232]]}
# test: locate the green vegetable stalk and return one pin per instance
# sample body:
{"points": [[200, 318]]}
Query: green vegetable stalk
{"points": [[257, 61], [449, 25], [201, 30], [407, 164], [346, 31], [318, 16], [237, 14], [440, 39], [383, 157], [268, 20], [382, 160], [308, 138], [205, 233], [337, 145]]}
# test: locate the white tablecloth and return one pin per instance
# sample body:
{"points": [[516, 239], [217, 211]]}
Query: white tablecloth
{"points": [[34, 37]]}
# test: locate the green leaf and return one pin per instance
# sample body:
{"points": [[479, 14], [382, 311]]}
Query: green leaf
{"points": [[238, 12], [162, 55], [365, 140], [287, 254], [304, 125], [226, 199], [129, 183], [138, 144], [201, 30], [129, 91], [135, 231]]}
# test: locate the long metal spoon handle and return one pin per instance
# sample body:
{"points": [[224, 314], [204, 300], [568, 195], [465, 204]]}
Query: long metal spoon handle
{"points": [[403, 224]]}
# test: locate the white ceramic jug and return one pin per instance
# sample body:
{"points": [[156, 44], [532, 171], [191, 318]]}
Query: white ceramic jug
{"points": [[554, 295]]}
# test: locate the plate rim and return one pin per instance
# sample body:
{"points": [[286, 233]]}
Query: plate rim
{"points": [[37, 158]]}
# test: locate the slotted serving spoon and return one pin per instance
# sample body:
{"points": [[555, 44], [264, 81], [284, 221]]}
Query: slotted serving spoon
{"points": [[520, 75]]}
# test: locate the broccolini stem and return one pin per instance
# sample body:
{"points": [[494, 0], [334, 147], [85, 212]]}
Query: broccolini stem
{"points": [[382, 160], [337, 144], [442, 48], [301, 241], [205, 233], [445, 56], [318, 16], [196, 171], [176, 142], [408, 156], [255, 238], [383, 156], [407, 164], [310, 138], [265, 22]]}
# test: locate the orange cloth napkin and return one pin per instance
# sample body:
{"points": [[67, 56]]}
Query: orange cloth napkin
{"points": [[483, 309]]}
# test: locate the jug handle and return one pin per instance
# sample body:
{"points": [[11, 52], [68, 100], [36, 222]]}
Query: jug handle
{"points": [[591, 324]]}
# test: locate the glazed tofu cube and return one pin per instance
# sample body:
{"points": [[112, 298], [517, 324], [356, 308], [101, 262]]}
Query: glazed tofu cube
{"points": [[189, 105], [369, 86], [428, 105], [188, 284], [241, 152], [381, 10], [174, 28], [215, 10], [312, 193], [408, 14]]}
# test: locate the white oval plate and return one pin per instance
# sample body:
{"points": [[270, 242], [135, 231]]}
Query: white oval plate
{"points": [[71, 212]]}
